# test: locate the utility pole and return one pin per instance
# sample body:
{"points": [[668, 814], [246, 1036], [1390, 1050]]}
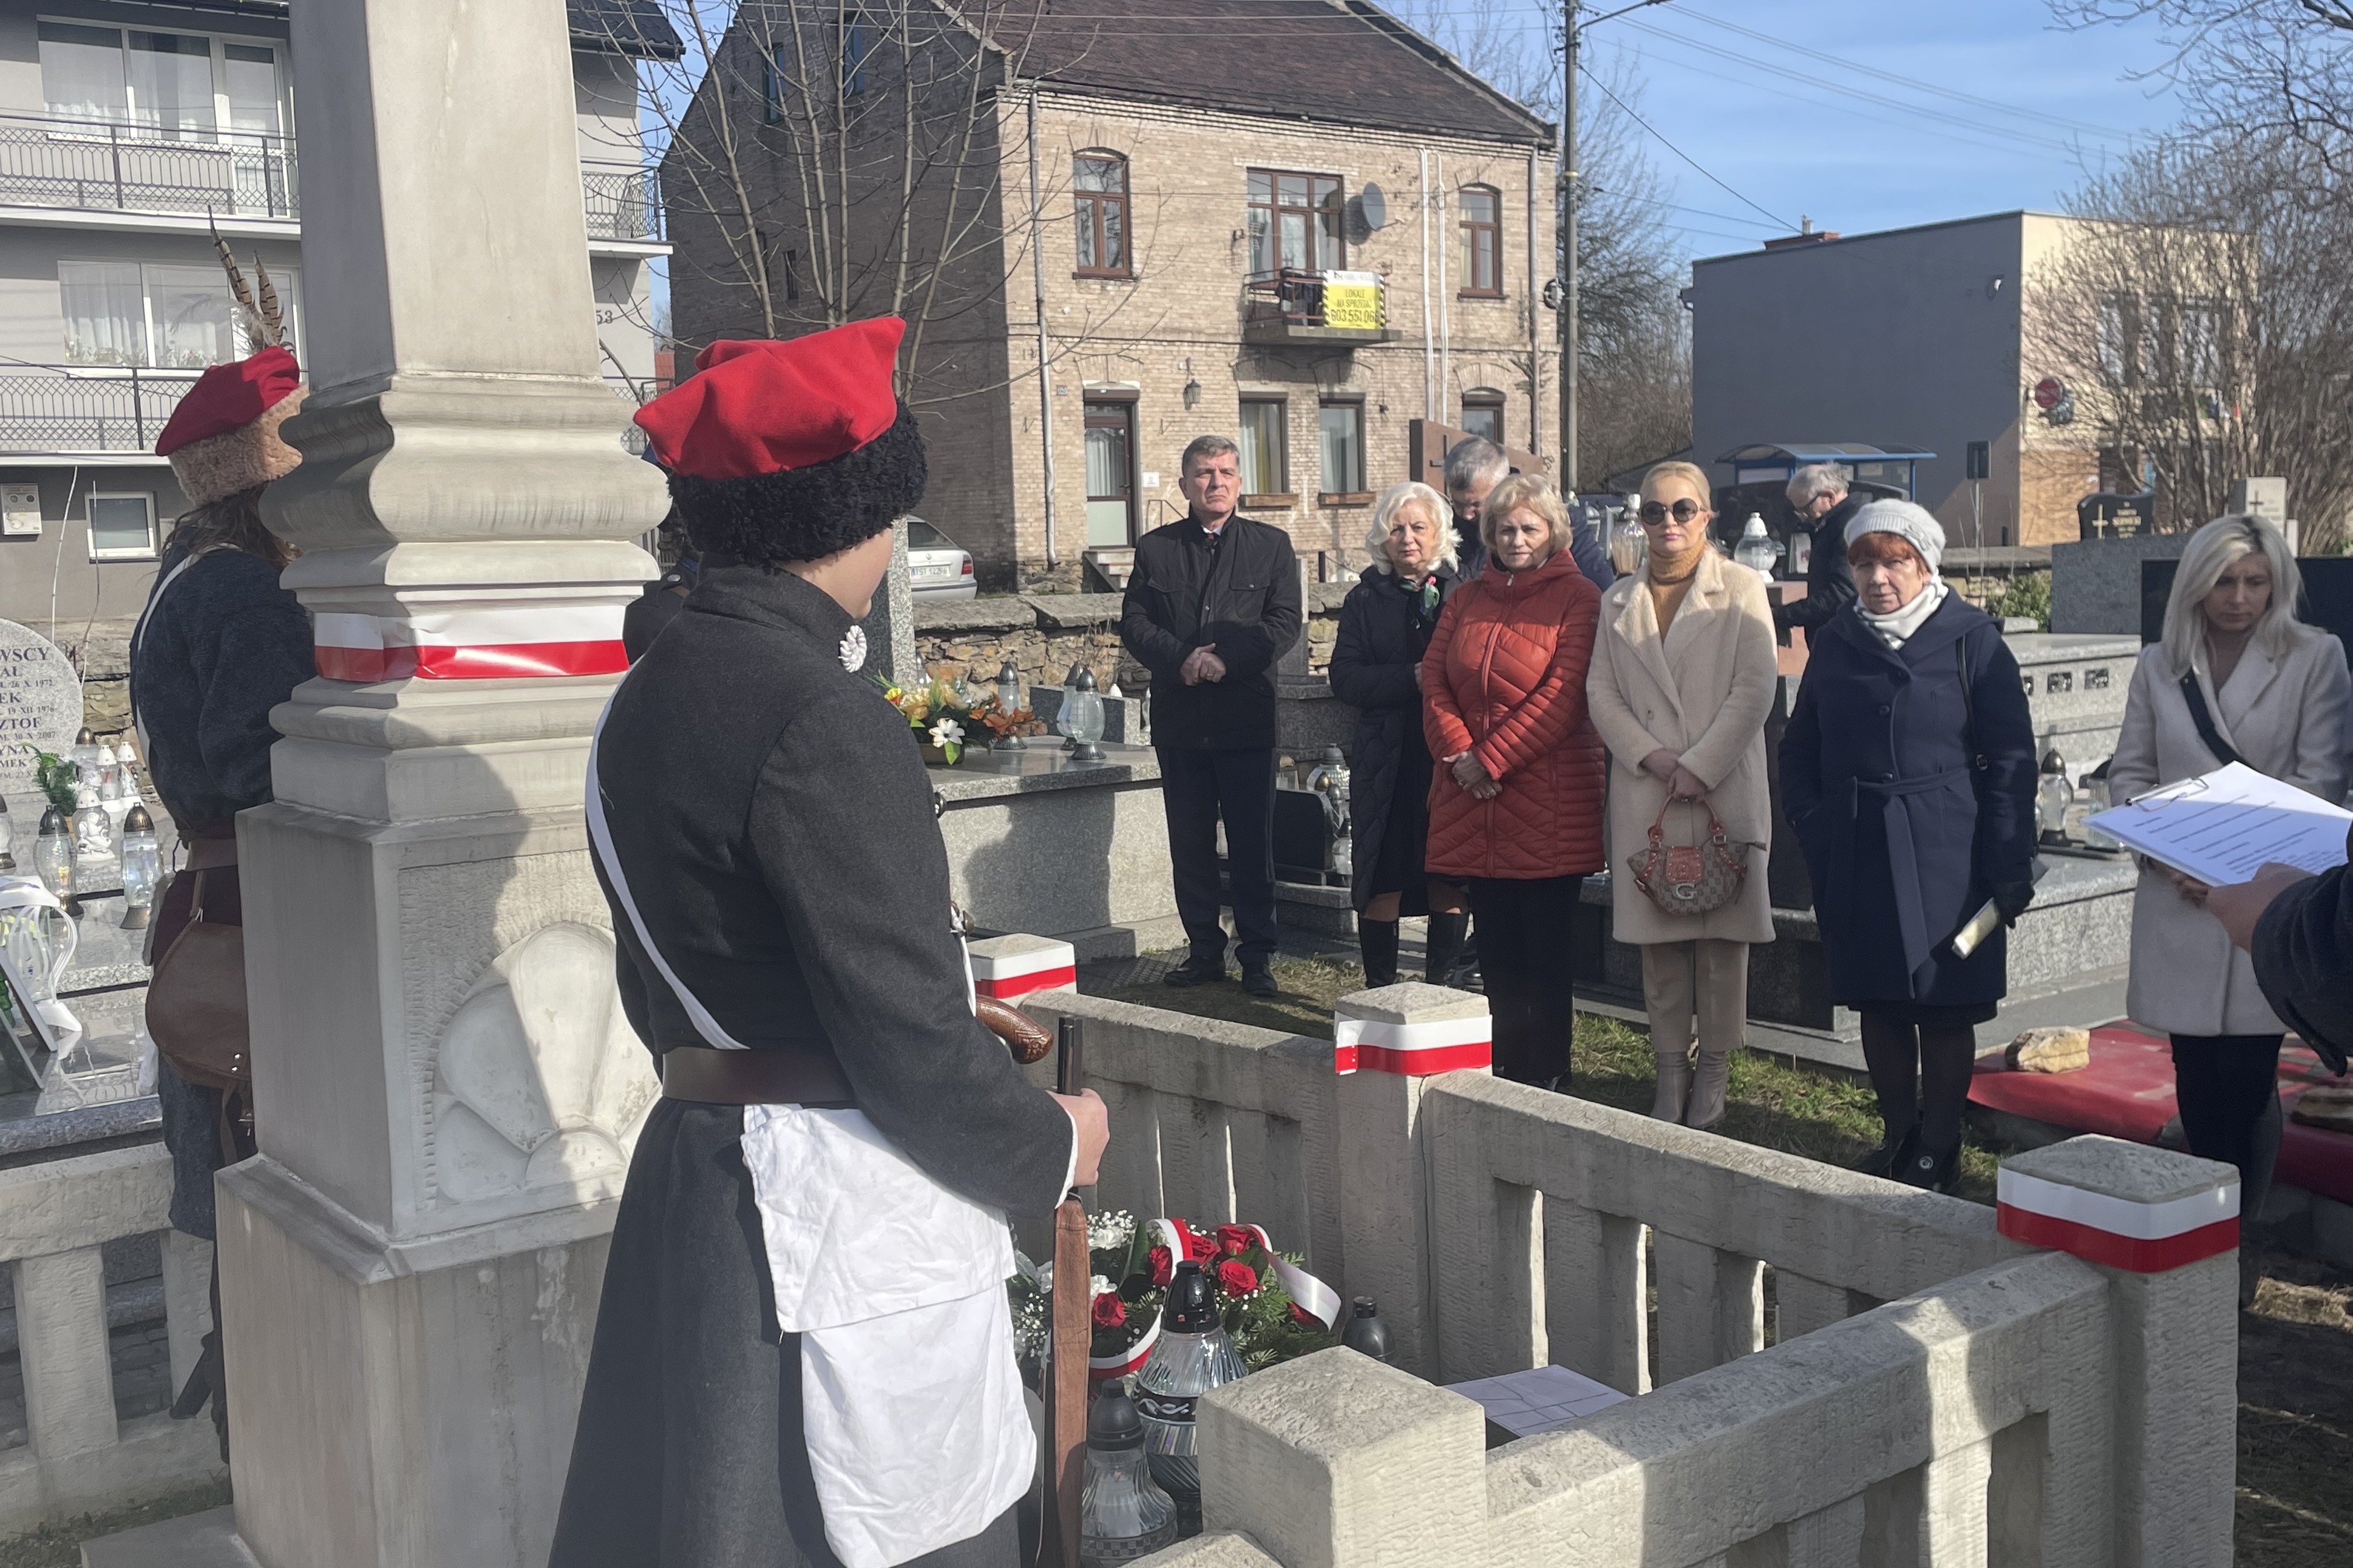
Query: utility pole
{"points": [[1572, 40]]}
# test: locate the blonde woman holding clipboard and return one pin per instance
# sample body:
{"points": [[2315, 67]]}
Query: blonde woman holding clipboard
{"points": [[2236, 676]]}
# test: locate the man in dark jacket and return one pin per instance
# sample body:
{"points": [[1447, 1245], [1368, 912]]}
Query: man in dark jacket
{"points": [[1213, 603], [1474, 466], [1817, 493]]}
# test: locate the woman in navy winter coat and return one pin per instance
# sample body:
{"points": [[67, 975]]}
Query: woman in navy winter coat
{"points": [[1385, 627], [1908, 772]]}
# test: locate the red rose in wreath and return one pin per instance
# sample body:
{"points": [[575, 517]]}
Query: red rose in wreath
{"points": [[1235, 1277], [1110, 1312], [1234, 1240], [1199, 1247], [1304, 1317], [1162, 1269]]}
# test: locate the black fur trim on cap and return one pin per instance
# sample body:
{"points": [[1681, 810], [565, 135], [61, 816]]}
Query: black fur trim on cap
{"points": [[806, 514]]}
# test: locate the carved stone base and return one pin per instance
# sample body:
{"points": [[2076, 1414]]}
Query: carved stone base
{"points": [[400, 1403]]}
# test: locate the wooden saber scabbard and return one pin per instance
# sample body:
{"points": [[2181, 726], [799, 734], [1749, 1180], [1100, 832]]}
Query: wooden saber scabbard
{"points": [[1066, 1406], [1073, 1338]]}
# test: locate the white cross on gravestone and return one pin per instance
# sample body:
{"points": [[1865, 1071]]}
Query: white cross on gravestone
{"points": [[40, 702]]}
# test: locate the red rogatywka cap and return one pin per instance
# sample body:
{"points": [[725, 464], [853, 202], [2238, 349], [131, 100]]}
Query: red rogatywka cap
{"points": [[229, 397], [765, 405]]}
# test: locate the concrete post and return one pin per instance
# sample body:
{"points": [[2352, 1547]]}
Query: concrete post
{"points": [[1385, 1043], [2164, 1227], [1336, 1461], [446, 1089]]}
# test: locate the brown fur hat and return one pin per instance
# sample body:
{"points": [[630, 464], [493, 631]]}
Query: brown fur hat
{"points": [[239, 459]]}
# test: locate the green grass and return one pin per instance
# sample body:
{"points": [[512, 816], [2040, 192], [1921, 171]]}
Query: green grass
{"points": [[59, 1545]]}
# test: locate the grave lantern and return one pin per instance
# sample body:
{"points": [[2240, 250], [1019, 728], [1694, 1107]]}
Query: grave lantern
{"points": [[7, 839], [143, 867], [2053, 796], [1009, 703], [1122, 1513], [1757, 549], [53, 860], [1083, 716], [85, 757]]}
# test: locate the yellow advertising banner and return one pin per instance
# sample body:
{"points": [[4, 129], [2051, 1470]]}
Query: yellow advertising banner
{"points": [[1355, 306]]}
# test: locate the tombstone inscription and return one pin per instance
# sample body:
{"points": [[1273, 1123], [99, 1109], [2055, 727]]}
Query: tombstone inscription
{"points": [[40, 702]]}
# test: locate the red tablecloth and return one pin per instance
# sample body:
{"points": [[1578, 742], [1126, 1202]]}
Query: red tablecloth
{"points": [[2127, 1092]]}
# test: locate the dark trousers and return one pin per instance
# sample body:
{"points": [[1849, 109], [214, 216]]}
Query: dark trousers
{"points": [[1196, 788], [1525, 929], [1920, 1069], [2228, 1088]]}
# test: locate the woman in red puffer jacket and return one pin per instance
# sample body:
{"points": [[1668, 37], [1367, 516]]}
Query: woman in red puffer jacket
{"points": [[1516, 802]]}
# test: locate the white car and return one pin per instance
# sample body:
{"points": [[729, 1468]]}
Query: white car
{"points": [[937, 567]]}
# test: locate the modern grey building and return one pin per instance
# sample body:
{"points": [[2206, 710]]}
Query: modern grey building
{"points": [[128, 130]]}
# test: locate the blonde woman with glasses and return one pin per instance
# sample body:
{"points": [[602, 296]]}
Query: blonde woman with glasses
{"points": [[1680, 684], [2236, 678]]}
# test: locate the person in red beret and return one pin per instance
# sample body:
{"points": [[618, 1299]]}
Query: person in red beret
{"points": [[219, 644], [804, 1353]]}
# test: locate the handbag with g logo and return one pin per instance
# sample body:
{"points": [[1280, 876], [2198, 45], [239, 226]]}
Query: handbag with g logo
{"points": [[1691, 879]]}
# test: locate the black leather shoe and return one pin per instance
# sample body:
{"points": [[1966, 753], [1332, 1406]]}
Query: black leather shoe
{"points": [[1258, 979], [1196, 972]]}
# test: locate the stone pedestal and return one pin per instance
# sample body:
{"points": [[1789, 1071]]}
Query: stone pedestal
{"points": [[446, 1089]]}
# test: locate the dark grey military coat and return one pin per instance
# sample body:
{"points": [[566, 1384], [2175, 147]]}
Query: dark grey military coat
{"points": [[774, 820]]}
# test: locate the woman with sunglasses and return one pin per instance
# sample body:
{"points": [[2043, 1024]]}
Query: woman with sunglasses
{"points": [[1516, 802], [1682, 682], [2235, 677], [1908, 772]]}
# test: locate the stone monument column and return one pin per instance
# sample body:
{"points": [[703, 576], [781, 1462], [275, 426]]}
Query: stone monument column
{"points": [[446, 1089]]}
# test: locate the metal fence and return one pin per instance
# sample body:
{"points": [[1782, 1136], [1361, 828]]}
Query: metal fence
{"points": [[102, 166], [85, 408], [624, 202]]}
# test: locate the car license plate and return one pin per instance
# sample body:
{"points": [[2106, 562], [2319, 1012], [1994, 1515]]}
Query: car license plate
{"points": [[928, 571]]}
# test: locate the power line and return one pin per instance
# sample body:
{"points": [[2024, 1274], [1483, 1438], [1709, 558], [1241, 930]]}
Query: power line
{"points": [[1627, 110]]}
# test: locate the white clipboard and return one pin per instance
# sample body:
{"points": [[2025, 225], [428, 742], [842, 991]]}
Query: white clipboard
{"points": [[2222, 827]]}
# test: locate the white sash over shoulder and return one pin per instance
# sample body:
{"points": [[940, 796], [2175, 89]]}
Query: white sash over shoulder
{"points": [[911, 1404]]}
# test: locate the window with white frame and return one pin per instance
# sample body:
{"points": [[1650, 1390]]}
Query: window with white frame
{"points": [[173, 86], [1340, 429], [122, 526], [152, 314]]}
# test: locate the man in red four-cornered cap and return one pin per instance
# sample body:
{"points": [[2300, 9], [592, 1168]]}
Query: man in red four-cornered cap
{"points": [[804, 1354]]}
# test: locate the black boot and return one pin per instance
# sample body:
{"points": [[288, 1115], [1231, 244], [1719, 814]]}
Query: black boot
{"points": [[1442, 946], [1894, 1154], [1378, 940], [1939, 1170]]}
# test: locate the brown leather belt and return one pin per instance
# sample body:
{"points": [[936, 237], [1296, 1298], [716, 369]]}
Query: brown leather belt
{"points": [[753, 1077]]}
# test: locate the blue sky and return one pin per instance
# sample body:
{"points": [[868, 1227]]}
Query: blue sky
{"points": [[1763, 123]]}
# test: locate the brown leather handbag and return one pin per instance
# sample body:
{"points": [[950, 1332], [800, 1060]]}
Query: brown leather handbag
{"points": [[195, 1001], [1691, 879]]}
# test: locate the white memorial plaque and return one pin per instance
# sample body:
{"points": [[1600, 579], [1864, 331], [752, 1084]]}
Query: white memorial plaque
{"points": [[40, 702]]}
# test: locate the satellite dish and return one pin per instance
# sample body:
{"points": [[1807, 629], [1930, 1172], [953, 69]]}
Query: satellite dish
{"points": [[1375, 206]]}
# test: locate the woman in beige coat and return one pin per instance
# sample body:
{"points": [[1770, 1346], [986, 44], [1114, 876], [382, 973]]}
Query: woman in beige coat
{"points": [[2273, 691], [1680, 681]]}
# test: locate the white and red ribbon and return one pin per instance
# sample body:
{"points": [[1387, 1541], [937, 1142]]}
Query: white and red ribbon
{"points": [[526, 640], [2100, 1227], [1314, 1297], [1049, 966], [1414, 1050]]}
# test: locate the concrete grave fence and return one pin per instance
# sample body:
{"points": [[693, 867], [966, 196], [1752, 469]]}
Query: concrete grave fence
{"points": [[1926, 1389]]}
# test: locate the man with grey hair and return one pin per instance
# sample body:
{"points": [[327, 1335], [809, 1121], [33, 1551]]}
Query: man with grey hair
{"points": [[1818, 494], [1474, 466], [1213, 603]]}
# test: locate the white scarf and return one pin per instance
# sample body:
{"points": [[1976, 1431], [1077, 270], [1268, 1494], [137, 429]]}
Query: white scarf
{"points": [[1896, 628]]}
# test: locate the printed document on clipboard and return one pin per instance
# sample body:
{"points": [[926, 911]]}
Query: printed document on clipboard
{"points": [[2222, 827]]}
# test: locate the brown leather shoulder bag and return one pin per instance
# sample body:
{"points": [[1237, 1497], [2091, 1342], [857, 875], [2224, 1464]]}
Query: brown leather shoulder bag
{"points": [[195, 1001]]}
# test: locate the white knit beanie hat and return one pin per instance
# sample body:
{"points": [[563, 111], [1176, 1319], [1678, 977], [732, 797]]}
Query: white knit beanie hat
{"points": [[1914, 522]]}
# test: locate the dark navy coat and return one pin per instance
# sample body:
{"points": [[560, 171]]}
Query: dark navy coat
{"points": [[1904, 837], [1383, 635]]}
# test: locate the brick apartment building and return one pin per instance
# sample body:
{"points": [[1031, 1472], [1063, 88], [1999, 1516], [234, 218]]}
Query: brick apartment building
{"points": [[129, 128], [1294, 221]]}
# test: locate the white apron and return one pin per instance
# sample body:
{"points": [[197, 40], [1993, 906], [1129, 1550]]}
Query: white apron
{"points": [[912, 1409]]}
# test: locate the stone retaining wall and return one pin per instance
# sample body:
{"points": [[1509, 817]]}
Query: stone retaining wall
{"points": [[1045, 633]]}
